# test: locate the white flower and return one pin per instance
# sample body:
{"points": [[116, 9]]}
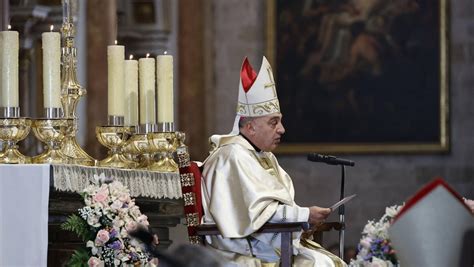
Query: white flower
{"points": [[376, 262], [90, 244], [391, 211], [117, 204]]}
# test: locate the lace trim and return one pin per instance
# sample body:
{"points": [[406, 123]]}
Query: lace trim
{"points": [[141, 183]]}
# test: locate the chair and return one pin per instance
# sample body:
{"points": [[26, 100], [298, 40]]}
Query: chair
{"points": [[190, 176]]}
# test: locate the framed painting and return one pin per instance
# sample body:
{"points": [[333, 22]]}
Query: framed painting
{"points": [[361, 76]]}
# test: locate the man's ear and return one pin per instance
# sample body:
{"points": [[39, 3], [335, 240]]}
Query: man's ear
{"points": [[250, 129]]}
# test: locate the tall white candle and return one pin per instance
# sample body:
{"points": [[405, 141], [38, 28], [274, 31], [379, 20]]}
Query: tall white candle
{"points": [[9, 53], [146, 70], [51, 69], [131, 92], [116, 87], [164, 78]]}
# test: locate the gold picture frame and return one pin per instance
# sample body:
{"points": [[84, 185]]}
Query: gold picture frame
{"points": [[350, 63]]}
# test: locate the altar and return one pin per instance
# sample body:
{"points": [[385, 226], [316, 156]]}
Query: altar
{"points": [[36, 199]]}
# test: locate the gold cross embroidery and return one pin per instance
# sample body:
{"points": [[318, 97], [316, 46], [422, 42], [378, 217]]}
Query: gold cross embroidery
{"points": [[272, 82]]}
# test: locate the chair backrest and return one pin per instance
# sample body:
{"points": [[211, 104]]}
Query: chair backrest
{"points": [[190, 176]]}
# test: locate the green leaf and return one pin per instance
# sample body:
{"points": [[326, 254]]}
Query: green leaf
{"points": [[76, 224], [78, 259]]}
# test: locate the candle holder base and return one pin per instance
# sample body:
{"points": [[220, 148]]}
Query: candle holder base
{"points": [[13, 130], [51, 132], [114, 138], [164, 143], [140, 148]]}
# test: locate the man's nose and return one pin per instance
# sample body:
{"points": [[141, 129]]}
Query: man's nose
{"points": [[281, 129]]}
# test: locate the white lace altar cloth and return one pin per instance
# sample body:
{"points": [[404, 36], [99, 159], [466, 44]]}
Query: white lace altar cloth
{"points": [[141, 183]]}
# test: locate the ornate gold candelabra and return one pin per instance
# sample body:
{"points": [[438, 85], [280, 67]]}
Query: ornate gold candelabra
{"points": [[52, 132], [71, 90], [13, 130]]}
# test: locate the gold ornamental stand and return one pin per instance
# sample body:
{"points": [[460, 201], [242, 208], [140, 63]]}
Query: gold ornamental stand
{"points": [[71, 90]]}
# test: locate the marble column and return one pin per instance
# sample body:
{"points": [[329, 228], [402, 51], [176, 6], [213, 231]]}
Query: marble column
{"points": [[101, 31], [196, 100]]}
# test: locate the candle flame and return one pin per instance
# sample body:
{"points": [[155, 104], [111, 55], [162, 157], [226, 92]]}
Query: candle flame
{"points": [[115, 41], [131, 57], [166, 52], [9, 27], [51, 28], [147, 55]]}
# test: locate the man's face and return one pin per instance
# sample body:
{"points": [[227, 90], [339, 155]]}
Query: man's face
{"points": [[267, 131]]}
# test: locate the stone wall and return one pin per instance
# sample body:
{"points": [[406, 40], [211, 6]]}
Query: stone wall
{"points": [[379, 180]]}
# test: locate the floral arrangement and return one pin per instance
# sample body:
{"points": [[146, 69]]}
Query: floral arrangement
{"points": [[375, 249], [103, 224]]}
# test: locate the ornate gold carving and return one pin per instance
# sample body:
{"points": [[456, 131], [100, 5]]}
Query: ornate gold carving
{"points": [[187, 179], [266, 107], [240, 109], [192, 219], [189, 199]]}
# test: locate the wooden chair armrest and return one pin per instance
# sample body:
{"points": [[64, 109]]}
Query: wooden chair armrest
{"points": [[211, 229], [328, 226]]}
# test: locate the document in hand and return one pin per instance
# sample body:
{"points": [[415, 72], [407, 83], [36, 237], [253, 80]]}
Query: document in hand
{"points": [[342, 201], [433, 228]]}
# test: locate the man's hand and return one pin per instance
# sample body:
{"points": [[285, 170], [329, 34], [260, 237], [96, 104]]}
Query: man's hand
{"points": [[318, 214]]}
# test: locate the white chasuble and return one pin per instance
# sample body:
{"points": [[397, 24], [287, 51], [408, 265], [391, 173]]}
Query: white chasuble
{"points": [[242, 189]]}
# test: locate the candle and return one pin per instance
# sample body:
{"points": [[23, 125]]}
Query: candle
{"points": [[146, 70], [164, 78], [9, 53], [51, 69], [131, 92], [116, 88]]}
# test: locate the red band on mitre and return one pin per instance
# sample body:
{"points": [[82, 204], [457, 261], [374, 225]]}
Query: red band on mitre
{"points": [[247, 75], [425, 191]]}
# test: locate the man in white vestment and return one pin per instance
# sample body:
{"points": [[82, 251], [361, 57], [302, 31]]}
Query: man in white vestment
{"points": [[244, 186]]}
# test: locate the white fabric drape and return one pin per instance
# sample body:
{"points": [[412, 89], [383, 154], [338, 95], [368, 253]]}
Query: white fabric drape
{"points": [[24, 195]]}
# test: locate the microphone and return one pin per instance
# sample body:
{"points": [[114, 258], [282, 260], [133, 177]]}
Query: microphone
{"points": [[329, 159]]}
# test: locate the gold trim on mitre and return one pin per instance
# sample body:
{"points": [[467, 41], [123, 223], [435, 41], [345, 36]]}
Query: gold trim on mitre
{"points": [[261, 99]]}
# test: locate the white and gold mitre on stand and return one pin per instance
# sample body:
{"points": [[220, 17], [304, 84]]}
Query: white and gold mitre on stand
{"points": [[257, 93], [434, 228]]}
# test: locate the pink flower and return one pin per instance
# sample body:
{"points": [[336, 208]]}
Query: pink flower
{"points": [[95, 262], [101, 195], [130, 226], [102, 237]]}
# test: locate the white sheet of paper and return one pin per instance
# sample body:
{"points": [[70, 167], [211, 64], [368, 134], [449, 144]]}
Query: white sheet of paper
{"points": [[342, 201]]}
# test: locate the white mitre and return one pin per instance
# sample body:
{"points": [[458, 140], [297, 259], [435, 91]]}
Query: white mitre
{"points": [[432, 228], [257, 93]]}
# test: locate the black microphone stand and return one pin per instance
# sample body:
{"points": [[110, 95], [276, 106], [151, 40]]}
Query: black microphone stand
{"points": [[341, 214]]}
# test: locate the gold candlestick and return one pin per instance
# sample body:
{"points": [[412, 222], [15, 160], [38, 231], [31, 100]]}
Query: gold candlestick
{"points": [[165, 144], [13, 130], [114, 138], [52, 132], [71, 91]]}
